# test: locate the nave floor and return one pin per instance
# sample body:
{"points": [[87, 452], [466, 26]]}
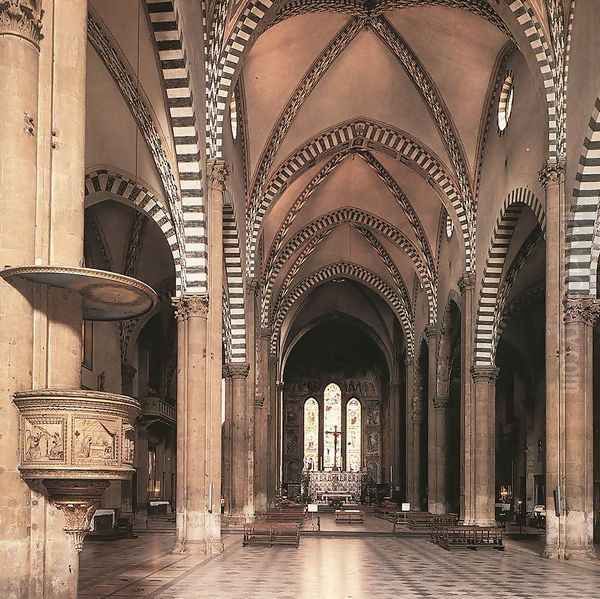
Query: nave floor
{"points": [[357, 568]]}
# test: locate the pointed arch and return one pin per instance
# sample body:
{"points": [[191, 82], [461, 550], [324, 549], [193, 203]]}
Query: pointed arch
{"points": [[351, 271], [333, 219], [583, 241], [235, 285], [371, 134], [101, 184], [487, 312], [175, 72]]}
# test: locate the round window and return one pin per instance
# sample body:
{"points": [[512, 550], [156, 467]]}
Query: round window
{"points": [[505, 102], [449, 226], [233, 118]]}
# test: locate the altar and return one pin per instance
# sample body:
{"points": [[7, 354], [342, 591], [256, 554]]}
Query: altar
{"points": [[321, 483]]}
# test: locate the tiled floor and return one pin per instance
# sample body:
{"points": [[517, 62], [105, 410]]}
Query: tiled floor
{"points": [[373, 568]]}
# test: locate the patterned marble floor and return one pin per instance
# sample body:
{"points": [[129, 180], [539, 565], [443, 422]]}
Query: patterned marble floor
{"points": [[331, 569]]}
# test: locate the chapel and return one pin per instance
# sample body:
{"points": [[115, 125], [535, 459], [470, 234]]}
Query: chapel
{"points": [[308, 273]]}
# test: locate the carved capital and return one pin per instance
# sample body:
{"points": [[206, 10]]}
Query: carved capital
{"points": [[432, 331], [78, 500], [552, 173], [581, 309], [487, 374], [466, 282], [22, 18], [188, 306], [440, 402], [253, 284], [236, 370], [217, 171]]}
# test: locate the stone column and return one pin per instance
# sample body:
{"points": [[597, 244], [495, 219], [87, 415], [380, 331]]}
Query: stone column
{"points": [[227, 444], [396, 437], [413, 423], [467, 447], [217, 173], [484, 444], [552, 178], [240, 505], [181, 314], [279, 398], [261, 422], [433, 337], [251, 288], [577, 499], [272, 476], [20, 33], [440, 415], [198, 495]]}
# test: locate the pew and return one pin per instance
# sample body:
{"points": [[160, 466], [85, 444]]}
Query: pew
{"points": [[349, 516], [471, 537], [278, 533]]}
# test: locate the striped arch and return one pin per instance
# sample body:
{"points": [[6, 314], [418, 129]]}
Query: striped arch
{"points": [[226, 329], [331, 220], [235, 285], [534, 32], [175, 71], [356, 133], [346, 270], [385, 177], [583, 241], [488, 316], [521, 259], [105, 182], [243, 34]]}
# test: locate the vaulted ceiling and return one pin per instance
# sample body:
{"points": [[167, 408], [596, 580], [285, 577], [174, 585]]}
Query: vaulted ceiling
{"points": [[321, 72]]}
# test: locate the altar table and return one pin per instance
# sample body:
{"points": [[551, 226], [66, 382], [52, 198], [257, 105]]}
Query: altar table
{"points": [[322, 483]]}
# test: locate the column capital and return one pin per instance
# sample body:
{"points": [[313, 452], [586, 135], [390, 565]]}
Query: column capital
{"points": [[581, 309], [253, 283], [189, 306], [484, 373], [467, 281], [236, 370], [552, 173], [432, 330], [217, 171], [440, 402], [265, 332], [22, 18]]}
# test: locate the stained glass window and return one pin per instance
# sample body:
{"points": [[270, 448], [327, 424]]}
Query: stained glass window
{"points": [[353, 435], [333, 427], [311, 434]]}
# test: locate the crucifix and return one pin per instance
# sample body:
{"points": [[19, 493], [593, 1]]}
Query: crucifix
{"points": [[335, 434]]}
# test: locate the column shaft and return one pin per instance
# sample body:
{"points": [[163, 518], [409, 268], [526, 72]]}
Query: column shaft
{"points": [[552, 177], [19, 64], [467, 447], [227, 444], [440, 409], [261, 423], [484, 445], [433, 501], [181, 314], [241, 504], [578, 496]]}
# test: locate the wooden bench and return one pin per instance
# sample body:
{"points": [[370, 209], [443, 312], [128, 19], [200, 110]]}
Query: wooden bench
{"points": [[295, 515], [419, 520], [349, 516], [439, 522], [471, 537], [279, 533]]}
